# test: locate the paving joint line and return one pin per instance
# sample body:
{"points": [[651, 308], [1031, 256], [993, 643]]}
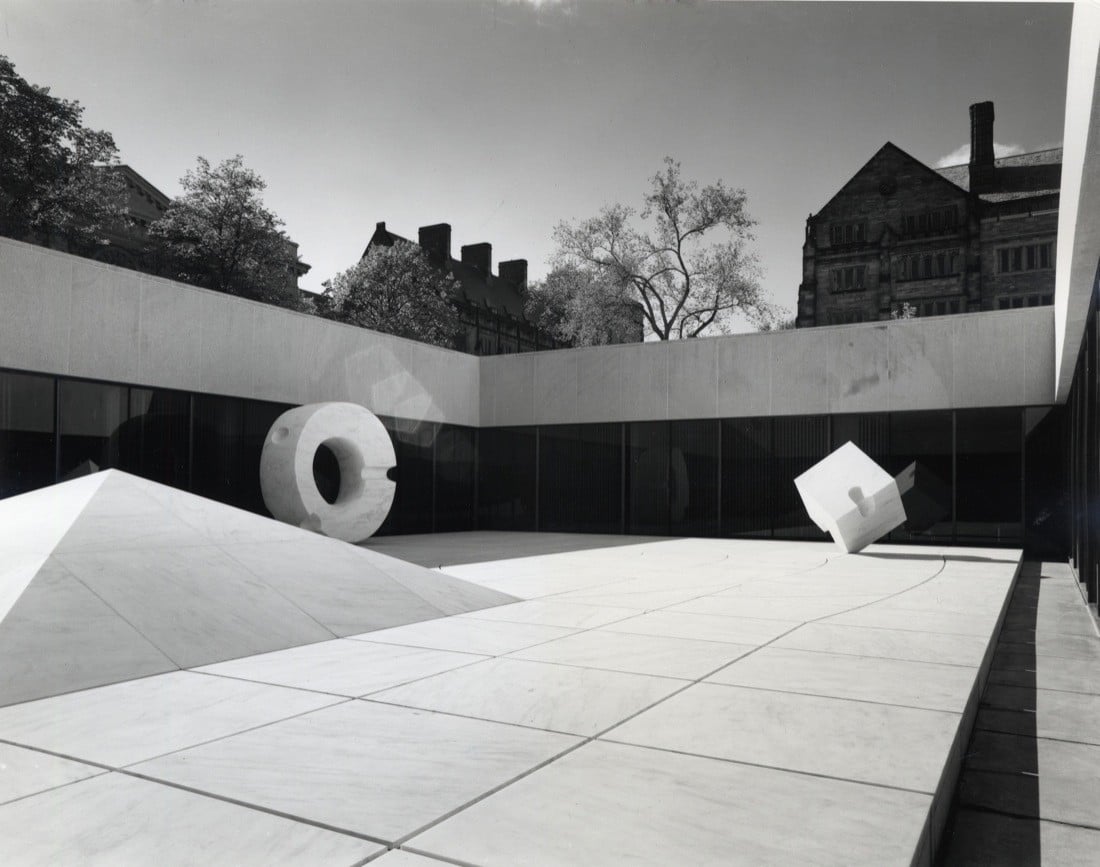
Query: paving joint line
{"points": [[59, 558], [686, 686], [833, 697], [260, 808]]}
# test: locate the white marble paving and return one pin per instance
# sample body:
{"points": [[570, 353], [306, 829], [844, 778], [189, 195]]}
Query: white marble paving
{"points": [[773, 607], [893, 614], [24, 772], [913, 684], [551, 612], [490, 638], [613, 804], [705, 627], [127, 722], [851, 740], [361, 766], [401, 858], [812, 742], [637, 654], [344, 667], [563, 698], [888, 643], [115, 819]]}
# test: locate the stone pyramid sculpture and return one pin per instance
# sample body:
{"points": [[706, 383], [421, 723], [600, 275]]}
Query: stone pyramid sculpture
{"points": [[110, 577]]}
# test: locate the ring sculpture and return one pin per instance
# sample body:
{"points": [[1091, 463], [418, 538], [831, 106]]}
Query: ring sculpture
{"points": [[363, 452]]}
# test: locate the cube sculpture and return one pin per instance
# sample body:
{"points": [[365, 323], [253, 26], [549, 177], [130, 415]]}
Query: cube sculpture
{"points": [[851, 497]]}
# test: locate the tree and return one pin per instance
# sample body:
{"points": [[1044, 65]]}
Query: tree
{"points": [[218, 234], [779, 320], [581, 307], [52, 181], [395, 290], [686, 282]]}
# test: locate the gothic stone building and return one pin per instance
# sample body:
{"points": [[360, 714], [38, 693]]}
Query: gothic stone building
{"points": [[901, 238], [490, 306]]}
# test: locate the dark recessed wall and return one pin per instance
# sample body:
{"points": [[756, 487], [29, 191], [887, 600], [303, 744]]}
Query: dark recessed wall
{"points": [[728, 477]]}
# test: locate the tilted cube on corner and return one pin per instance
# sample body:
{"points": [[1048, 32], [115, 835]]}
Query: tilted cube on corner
{"points": [[851, 497]]}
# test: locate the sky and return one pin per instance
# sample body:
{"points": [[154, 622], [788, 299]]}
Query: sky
{"points": [[506, 117]]}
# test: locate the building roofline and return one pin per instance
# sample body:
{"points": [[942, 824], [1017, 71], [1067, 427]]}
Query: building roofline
{"points": [[1006, 157], [150, 188], [874, 156]]}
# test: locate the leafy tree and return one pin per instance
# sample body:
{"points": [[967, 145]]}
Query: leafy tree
{"points": [[581, 307], [53, 184], [687, 281], [218, 234], [396, 290], [778, 320]]}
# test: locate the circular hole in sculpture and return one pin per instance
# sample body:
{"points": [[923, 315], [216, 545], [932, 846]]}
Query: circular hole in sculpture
{"points": [[326, 473]]}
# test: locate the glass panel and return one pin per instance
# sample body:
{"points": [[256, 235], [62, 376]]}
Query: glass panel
{"points": [[1045, 519], [924, 438], [91, 415], [988, 476], [647, 481], [218, 431], [869, 431], [746, 477], [506, 478], [26, 432], [798, 444], [154, 442], [693, 477], [413, 445], [580, 478], [454, 478]]}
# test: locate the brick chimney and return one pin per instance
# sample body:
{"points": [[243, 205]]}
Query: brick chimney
{"points": [[436, 242], [479, 257], [981, 147], [514, 272]]}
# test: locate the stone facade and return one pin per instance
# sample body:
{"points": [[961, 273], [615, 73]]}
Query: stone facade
{"points": [[490, 306], [903, 239]]}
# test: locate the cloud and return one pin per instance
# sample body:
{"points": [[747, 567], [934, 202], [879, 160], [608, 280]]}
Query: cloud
{"points": [[961, 154]]}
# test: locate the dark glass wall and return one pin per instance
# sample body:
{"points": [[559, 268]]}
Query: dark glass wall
{"points": [[797, 444], [926, 439], [413, 503], [90, 415], [694, 477], [654, 481], [455, 478], [747, 483], [507, 469], [1083, 458], [27, 425], [218, 431], [155, 440], [993, 476], [581, 478], [989, 475]]}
